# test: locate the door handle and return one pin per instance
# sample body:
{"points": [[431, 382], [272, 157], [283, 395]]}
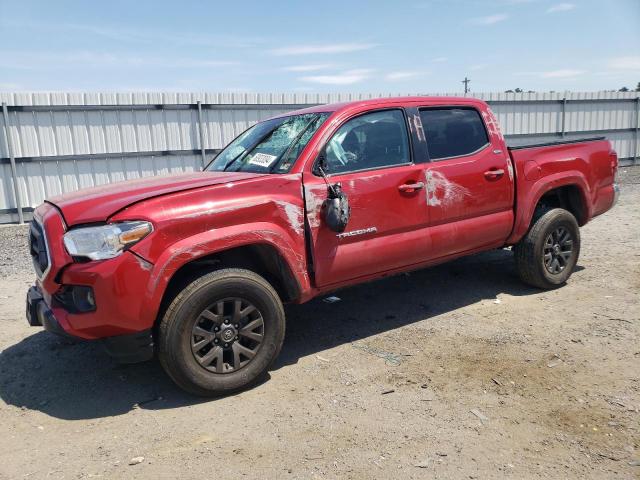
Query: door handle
{"points": [[494, 174], [410, 187]]}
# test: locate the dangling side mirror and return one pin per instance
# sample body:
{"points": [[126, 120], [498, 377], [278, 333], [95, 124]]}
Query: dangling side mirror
{"points": [[335, 209]]}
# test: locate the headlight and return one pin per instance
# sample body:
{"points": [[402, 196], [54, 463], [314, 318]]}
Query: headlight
{"points": [[106, 241]]}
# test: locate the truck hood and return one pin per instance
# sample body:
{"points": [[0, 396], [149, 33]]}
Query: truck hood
{"points": [[97, 204]]}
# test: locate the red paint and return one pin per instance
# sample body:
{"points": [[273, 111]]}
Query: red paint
{"points": [[423, 213], [99, 203], [587, 166]]}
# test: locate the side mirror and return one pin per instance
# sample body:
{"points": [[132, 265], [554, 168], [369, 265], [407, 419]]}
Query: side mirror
{"points": [[335, 209]]}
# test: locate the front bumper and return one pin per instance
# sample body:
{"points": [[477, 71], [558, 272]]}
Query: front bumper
{"points": [[132, 348], [40, 315], [119, 287]]}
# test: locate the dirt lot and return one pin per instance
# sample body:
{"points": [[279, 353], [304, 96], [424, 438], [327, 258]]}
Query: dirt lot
{"points": [[459, 371]]}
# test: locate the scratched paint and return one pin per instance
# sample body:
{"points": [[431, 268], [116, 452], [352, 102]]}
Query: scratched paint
{"points": [[314, 201], [510, 169], [492, 123], [441, 191], [417, 125], [180, 256], [210, 208], [294, 215], [143, 263], [371, 179]]}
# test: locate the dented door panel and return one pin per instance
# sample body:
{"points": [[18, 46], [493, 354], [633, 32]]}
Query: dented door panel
{"points": [[470, 198], [386, 230]]}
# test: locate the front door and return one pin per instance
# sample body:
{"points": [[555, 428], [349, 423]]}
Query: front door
{"points": [[370, 157]]}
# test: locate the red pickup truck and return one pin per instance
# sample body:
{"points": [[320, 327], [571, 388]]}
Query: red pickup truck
{"points": [[196, 267]]}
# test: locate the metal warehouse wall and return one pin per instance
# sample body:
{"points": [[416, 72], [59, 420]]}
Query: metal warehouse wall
{"points": [[60, 142]]}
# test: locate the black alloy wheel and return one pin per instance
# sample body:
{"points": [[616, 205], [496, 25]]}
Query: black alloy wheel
{"points": [[558, 250], [227, 335]]}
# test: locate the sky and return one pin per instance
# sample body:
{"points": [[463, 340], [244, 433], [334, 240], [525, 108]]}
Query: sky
{"points": [[375, 46]]}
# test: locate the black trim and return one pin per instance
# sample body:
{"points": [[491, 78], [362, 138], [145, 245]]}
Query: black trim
{"points": [[51, 324], [570, 133], [38, 249], [39, 314], [370, 169], [420, 150], [69, 299], [560, 142], [34, 297]]}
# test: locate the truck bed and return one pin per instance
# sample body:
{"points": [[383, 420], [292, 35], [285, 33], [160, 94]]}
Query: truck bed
{"points": [[583, 168]]}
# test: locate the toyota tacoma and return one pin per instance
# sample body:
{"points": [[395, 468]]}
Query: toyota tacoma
{"points": [[195, 268]]}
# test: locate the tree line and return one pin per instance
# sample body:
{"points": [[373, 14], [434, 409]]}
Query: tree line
{"points": [[623, 89]]}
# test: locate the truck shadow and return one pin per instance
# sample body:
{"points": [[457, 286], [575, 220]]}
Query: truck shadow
{"points": [[372, 308], [45, 373]]}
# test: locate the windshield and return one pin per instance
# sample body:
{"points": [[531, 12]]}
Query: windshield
{"points": [[271, 146]]}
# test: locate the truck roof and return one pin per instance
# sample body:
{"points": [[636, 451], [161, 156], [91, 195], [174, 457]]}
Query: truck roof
{"points": [[377, 102]]}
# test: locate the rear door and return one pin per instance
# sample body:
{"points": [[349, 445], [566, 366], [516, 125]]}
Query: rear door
{"points": [[370, 156], [469, 181]]}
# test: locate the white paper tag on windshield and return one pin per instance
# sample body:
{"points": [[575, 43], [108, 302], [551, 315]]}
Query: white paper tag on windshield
{"points": [[262, 159]]}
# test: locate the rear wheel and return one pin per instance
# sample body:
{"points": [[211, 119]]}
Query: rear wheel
{"points": [[548, 253], [222, 332]]}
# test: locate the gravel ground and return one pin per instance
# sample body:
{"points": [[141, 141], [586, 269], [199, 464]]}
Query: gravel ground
{"points": [[458, 371], [14, 251]]}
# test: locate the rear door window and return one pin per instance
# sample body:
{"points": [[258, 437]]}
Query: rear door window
{"points": [[453, 132]]}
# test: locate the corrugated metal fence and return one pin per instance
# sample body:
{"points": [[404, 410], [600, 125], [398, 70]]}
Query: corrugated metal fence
{"points": [[60, 142]]}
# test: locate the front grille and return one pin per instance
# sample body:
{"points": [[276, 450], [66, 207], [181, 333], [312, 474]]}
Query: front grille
{"points": [[38, 248]]}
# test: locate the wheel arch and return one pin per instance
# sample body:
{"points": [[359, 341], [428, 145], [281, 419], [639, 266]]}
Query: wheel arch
{"points": [[568, 191], [569, 197], [261, 247], [261, 258]]}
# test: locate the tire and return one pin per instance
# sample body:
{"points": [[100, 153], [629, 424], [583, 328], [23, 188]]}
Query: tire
{"points": [[540, 254], [197, 310]]}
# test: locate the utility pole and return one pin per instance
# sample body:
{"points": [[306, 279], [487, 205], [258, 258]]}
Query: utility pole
{"points": [[466, 82]]}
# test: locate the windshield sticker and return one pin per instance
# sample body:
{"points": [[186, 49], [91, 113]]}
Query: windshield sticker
{"points": [[262, 160]]}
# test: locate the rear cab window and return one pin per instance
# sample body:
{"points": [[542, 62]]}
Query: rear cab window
{"points": [[453, 131]]}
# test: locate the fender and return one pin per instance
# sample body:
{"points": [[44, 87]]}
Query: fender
{"points": [[218, 240], [530, 193]]}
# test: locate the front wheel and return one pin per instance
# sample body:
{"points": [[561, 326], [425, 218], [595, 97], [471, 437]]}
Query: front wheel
{"points": [[221, 333], [548, 253]]}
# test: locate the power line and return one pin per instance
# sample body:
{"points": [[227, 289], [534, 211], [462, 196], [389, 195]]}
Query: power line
{"points": [[466, 82]]}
